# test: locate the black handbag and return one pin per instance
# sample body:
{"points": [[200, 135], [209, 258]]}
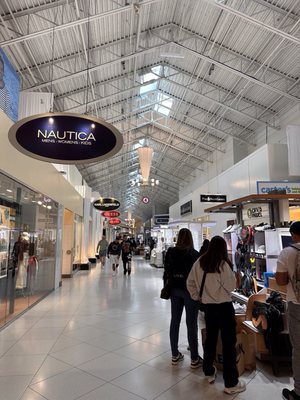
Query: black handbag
{"points": [[201, 306], [165, 292]]}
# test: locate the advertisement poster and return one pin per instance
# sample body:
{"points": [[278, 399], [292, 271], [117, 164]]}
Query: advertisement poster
{"points": [[9, 88]]}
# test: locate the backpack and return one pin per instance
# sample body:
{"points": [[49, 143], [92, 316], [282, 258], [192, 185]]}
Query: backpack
{"points": [[247, 284], [295, 279]]}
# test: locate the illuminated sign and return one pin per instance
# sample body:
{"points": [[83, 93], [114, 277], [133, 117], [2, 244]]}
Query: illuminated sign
{"points": [[65, 138], [106, 204], [114, 221], [110, 214]]}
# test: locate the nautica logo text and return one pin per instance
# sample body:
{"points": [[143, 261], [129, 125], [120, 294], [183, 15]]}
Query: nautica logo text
{"points": [[65, 135]]}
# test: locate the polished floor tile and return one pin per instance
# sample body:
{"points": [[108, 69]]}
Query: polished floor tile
{"points": [[107, 338]]}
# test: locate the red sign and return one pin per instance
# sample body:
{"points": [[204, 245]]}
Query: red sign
{"points": [[110, 214], [114, 221]]}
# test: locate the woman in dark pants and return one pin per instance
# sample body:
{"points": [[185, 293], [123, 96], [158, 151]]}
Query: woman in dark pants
{"points": [[178, 263], [218, 311]]}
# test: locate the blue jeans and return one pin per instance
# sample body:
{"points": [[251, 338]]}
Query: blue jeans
{"points": [[180, 299]]}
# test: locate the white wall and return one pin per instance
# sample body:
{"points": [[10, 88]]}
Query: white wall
{"points": [[267, 163], [38, 175]]}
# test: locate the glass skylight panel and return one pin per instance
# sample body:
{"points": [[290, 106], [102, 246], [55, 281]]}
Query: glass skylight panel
{"points": [[164, 101]]}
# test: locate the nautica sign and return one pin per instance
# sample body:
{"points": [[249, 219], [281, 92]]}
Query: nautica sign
{"points": [[65, 138]]}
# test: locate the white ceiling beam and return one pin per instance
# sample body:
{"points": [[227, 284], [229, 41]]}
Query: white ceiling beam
{"points": [[81, 21], [254, 21]]}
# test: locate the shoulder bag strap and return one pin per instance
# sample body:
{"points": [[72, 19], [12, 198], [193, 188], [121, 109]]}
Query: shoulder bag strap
{"points": [[202, 284]]}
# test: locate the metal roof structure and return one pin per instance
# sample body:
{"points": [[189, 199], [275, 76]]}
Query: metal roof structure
{"points": [[181, 76]]}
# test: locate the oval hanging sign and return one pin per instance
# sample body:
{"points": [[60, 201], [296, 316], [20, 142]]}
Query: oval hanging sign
{"points": [[110, 214], [106, 204], [65, 138], [114, 221]]}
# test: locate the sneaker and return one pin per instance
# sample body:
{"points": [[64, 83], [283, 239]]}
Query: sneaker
{"points": [[240, 387], [177, 359], [196, 363], [212, 378], [114, 273], [129, 271], [125, 270], [290, 395], [227, 229]]}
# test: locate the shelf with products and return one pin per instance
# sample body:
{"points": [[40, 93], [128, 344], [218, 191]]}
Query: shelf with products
{"points": [[258, 233]]}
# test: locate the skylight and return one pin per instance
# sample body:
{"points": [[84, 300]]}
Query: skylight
{"points": [[165, 104]]}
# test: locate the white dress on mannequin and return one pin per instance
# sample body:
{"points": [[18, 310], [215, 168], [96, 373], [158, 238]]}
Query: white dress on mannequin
{"points": [[21, 282]]}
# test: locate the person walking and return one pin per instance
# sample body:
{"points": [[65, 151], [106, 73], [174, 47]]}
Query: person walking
{"points": [[286, 274], [113, 253], [102, 250], [178, 263], [219, 314], [126, 254]]}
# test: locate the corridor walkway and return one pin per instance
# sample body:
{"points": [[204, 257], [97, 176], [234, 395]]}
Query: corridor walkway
{"points": [[106, 338]]}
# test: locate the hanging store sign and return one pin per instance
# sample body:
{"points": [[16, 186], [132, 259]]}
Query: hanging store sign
{"points": [[110, 214], [114, 221], [65, 138], [213, 198], [106, 204], [186, 208]]}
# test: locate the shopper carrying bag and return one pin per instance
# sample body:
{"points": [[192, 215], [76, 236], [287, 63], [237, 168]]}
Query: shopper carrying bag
{"points": [[218, 311], [178, 263]]}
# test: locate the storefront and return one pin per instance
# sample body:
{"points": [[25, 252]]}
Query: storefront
{"points": [[28, 229]]}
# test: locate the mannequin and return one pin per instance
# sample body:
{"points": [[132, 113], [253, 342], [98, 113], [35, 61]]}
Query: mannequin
{"points": [[21, 254]]}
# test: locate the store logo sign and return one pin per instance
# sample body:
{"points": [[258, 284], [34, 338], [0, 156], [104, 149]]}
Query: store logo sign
{"points": [[186, 208], [278, 187], [213, 198], [65, 138], [114, 221], [106, 204], [110, 214]]}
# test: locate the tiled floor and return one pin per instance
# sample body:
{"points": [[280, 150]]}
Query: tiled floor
{"points": [[106, 338]]}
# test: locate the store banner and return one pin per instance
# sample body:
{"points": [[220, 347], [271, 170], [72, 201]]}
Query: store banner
{"points": [[65, 138], [110, 214], [213, 198], [9, 88], [279, 187], [106, 204], [114, 221]]}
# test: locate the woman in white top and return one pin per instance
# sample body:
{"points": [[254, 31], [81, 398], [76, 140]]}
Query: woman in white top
{"points": [[218, 311]]}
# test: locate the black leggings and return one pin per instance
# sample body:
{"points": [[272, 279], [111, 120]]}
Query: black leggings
{"points": [[221, 317]]}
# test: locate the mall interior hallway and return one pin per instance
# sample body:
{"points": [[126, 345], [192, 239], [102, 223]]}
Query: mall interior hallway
{"points": [[106, 338]]}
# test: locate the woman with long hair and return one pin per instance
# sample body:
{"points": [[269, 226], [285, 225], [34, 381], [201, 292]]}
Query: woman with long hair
{"points": [[178, 264], [219, 314]]}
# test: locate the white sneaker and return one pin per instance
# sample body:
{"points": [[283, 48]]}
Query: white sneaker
{"points": [[240, 387], [212, 378], [234, 228], [114, 273], [227, 229]]}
